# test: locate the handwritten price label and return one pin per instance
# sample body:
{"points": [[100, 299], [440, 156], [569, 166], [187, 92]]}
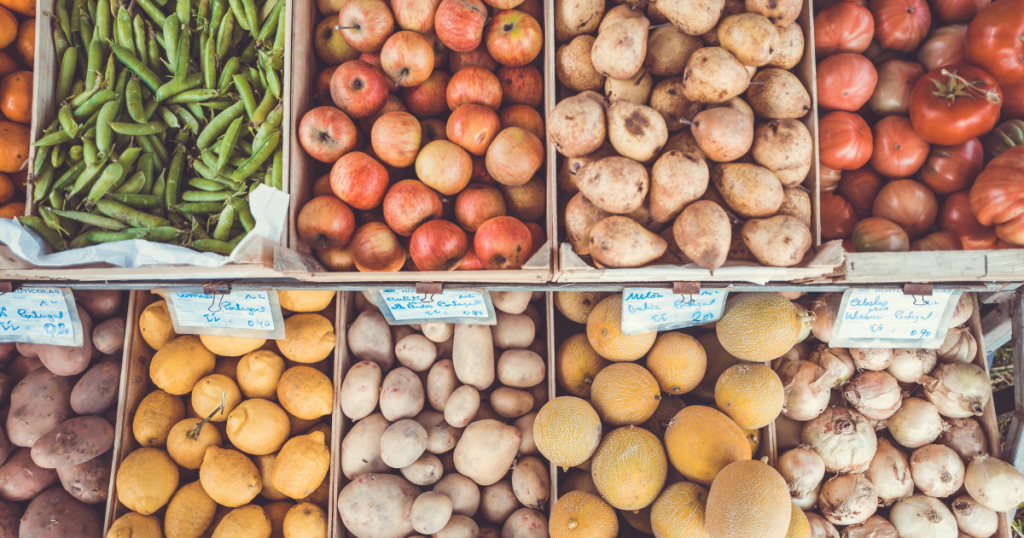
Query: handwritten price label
{"points": [[652, 309], [406, 305], [240, 310], [890, 316], [40, 316]]}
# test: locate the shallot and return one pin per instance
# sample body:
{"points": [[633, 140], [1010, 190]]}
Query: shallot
{"points": [[876, 526], [847, 499], [871, 358], [806, 389], [974, 519], [876, 395], [889, 472], [825, 309], [937, 470], [995, 484], [843, 438], [962, 312], [921, 516], [910, 365], [965, 437], [837, 362], [958, 389], [820, 527], [916, 423], [803, 470], [959, 346]]}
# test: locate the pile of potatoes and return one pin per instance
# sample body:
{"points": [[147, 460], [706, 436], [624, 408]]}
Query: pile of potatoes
{"points": [[60, 406], [695, 152], [234, 435], [443, 439]]}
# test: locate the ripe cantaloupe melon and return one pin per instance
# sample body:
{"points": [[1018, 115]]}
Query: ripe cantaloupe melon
{"points": [[799, 527], [604, 330], [751, 394], [576, 305], [759, 327], [719, 360], [678, 362], [579, 514], [748, 499], [567, 431], [663, 415], [629, 468], [679, 511], [625, 393], [577, 364], [701, 441], [754, 438]]}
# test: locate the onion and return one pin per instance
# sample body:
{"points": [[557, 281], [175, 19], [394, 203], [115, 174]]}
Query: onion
{"points": [[825, 309], [799, 351], [974, 519], [787, 432], [876, 395], [875, 527], [916, 423], [958, 389], [843, 438], [920, 516], [910, 365], [937, 470], [806, 318], [808, 501], [965, 437], [872, 358], [959, 346], [889, 472], [802, 469], [820, 527], [837, 362], [963, 311], [995, 484], [806, 389], [847, 499]]}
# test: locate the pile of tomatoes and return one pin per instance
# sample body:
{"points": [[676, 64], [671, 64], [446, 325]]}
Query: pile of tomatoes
{"points": [[921, 107]]}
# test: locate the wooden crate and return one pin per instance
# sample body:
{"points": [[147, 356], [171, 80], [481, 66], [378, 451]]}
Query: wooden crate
{"points": [[135, 385], [937, 266]]}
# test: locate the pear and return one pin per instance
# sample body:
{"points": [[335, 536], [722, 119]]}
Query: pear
{"points": [[618, 14], [574, 67], [749, 37], [617, 185], [685, 142], [703, 232], [636, 131], [580, 216], [577, 125], [732, 7], [750, 190], [789, 50], [724, 134], [619, 242], [778, 94], [739, 104], [780, 12], [713, 75], [781, 241], [677, 179], [620, 49], [692, 17], [797, 204], [576, 17], [785, 147], [669, 99], [571, 165], [668, 50], [635, 90]]}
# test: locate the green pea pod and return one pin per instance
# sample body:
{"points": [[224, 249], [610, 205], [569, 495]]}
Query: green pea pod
{"points": [[134, 184], [153, 11], [196, 110], [209, 63], [81, 98], [67, 121], [160, 234], [265, 108], [141, 70], [273, 123], [51, 236], [273, 82], [184, 54], [127, 160], [213, 245], [249, 53], [211, 155], [201, 207], [205, 196], [90, 6], [128, 215], [203, 12], [85, 29], [245, 94], [172, 32], [224, 222], [174, 173], [77, 87], [264, 152], [87, 176], [183, 9], [98, 221], [133, 98], [66, 78], [52, 220], [269, 11], [193, 96], [159, 187], [154, 51], [238, 10], [107, 180], [178, 85], [146, 165], [58, 156], [138, 201], [83, 241], [209, 158], [207, 185], [42, 182], [278, 48], [93, 104], [187, 119], [77, 6], [110, 72], [227, 73], [70, 175], [206, 171], [64, 17], [52, 139], [149, 108], [161, 3], [121, 89], [61, 44], [251, 16], [123, 29], [277, 170], [242, 211], [96, 238], [169, 118], [90, 152], [139, 33], [218, 125], [228, 144], [104, 132], [42, 157], [75, 154], [158, 149], [227, 26]]}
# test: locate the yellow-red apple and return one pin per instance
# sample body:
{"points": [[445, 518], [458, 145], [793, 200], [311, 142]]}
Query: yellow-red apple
{"points": [[373, 58], [359, 180], [408, 204], [438, 245], [365, 24], [444, 167], [521, 85], [474, 85], [526, 202], [430, 98], [502, 243], [325, 223], [337, 260], [358, 88], [407, 58], [396, 138], [433, 129], [513, 38], [477, 204], [326, 134], [473, 127], [524, 117], [330, 45], [415, 15], [460, 23], [375, 248], [478, 57], [514, 156]]}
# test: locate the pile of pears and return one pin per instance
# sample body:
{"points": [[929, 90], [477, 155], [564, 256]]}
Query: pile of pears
{"points": [[679, 124]]}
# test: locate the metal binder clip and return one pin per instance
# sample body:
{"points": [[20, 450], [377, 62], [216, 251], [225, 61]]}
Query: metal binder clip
{"points": [[918, 291], [689, 289], [428, 290], [6, 287], [218, 290]]}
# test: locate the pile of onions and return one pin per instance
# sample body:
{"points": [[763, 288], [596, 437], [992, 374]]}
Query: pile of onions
{"points": [[807, 317], [872, 358], [965, 437], [806, 389], [921, 516], [847, 499], [787, 432], [889, 472], [915, 424], [937, 470], [974, 519], [963, 311], [910, 365], [799, 352], [843, 438], [875, 527], [837, 362], [825, 309], [958, 389], [803, 471], [820, 527], [876, 395], [995, 484], [959, 346]]}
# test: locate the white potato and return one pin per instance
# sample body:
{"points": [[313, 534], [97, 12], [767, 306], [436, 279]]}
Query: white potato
{"points": [[463, 492], [424, 471], [441, 436], [415, 352], [360, 390], [513, 331], [498, 501], [377, 505], [511, 302], [431, 512], [438, 331], [473, 355], [441, 383], [403, 443], [511, 403], [486, 451], [525, 523], [459, 527], [401, 395], [360, 450], [520, 368], [462, 406], [531, 483], [527, 447], [369, 338]]}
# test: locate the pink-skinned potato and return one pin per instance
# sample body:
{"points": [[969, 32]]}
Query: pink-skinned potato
{"points": [[108, 337], [56, 514], [96, 391], [68, 360], [21, 479], [27, 349], [779, 241], [39, 403], [88, 482], [703, 233], [100, 304], [21, 366], [74, 441], [10, 519]]}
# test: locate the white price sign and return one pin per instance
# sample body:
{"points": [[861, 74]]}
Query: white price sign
{"points": [[653, 309], [889, 318], [40, 316], [252, 313], [405, 306]]}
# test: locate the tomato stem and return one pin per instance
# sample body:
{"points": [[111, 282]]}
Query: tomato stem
{"points": [[960, 87]]}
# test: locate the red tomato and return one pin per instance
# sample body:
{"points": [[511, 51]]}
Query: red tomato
{"points": [[860, 187], [828, 178], [954, 11], [953, 168], [944, 46], [899, 151], [845, 81], [956, 218], [900, 25], [954, 104], [1013, 102], [998, 194], [938, 241], [907, 203], [837, 216], [896, 79], [994, 41], [843, 27], [1012, 231], [844, 140], [875, 234]]}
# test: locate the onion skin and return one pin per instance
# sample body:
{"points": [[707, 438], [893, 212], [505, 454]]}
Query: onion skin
{"points": [[920, 516], [876, 395], [973, 519], [871, 358], [820, 527], [806, 389], [995, 484], [876, 526], [847, 499], [889, 472], [802, 469], [837, 362], [825, 309], [964, 310], [959, 346], [808, 501], [965, 437], [843, 438], [917, 423], [910, 365], [937, 470], [958, 389]]}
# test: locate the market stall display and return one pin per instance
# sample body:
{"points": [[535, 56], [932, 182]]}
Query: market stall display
{"points": [[17, 39]]}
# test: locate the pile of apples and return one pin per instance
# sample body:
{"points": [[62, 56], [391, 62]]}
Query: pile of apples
{"points": [[429, 120]]}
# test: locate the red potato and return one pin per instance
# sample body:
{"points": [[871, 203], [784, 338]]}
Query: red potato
{"points": [[72, 442], [56, 514], [108, 337], [68, 360], [39, 403], [99, 303], [88, 482], [441, 436], [21, 366], [21, 479], [97, 390], [10, 519], [26, 349]]}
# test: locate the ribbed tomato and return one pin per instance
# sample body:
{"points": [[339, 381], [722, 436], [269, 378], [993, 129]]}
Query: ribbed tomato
{"points": [[875, 234], [845, 81], [1012, 231], [898, 151], [1006, 135], [909, 204], [943, 46], [994, 41], [837, 216], [954, 11], [937, 241], [953, 168], [842, 27], [998, 194], [896, 79], [953, 104], [845, 141], [860, 187], [828, 178], [956, 218], [900, 25]]}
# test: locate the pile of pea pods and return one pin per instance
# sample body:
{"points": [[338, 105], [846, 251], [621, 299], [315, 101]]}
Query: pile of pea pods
{"points": [[170, 115]]}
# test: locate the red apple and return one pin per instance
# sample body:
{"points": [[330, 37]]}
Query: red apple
{"points": [[538, 235], [428, 99], [441, 52], [503, 243], [444, 167], [358, 88], [359, 180], [373, 58], [514, 156], [375, 248], [474, 85], [438, 245], [393, 103], [407, 58], [521, 85], [408, 204], [415, 15], [526, 202], [366, 24], [433, 129], [337, 260], [524, 117], [473, 127], [396, 138], [471, 262], [322, 86], [326, 134], [325, 223], [460, 23], [480, 174], [513, 38], [503, 4], [478, 57], [322, 186], [477, 204]]}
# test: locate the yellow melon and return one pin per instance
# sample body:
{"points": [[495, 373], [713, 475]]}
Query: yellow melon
{"points": [[759, 327], [579, 514], [754, 438], [639, 519], [567, 431], [748, 499], [679, 511], [629, 468], [701, 441], [625, 393], [577, 364], [799, 527], [751, 394], [604, 330], [719, 360], [578, 480], [577, 305], [678, 362], [663, 415]]}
